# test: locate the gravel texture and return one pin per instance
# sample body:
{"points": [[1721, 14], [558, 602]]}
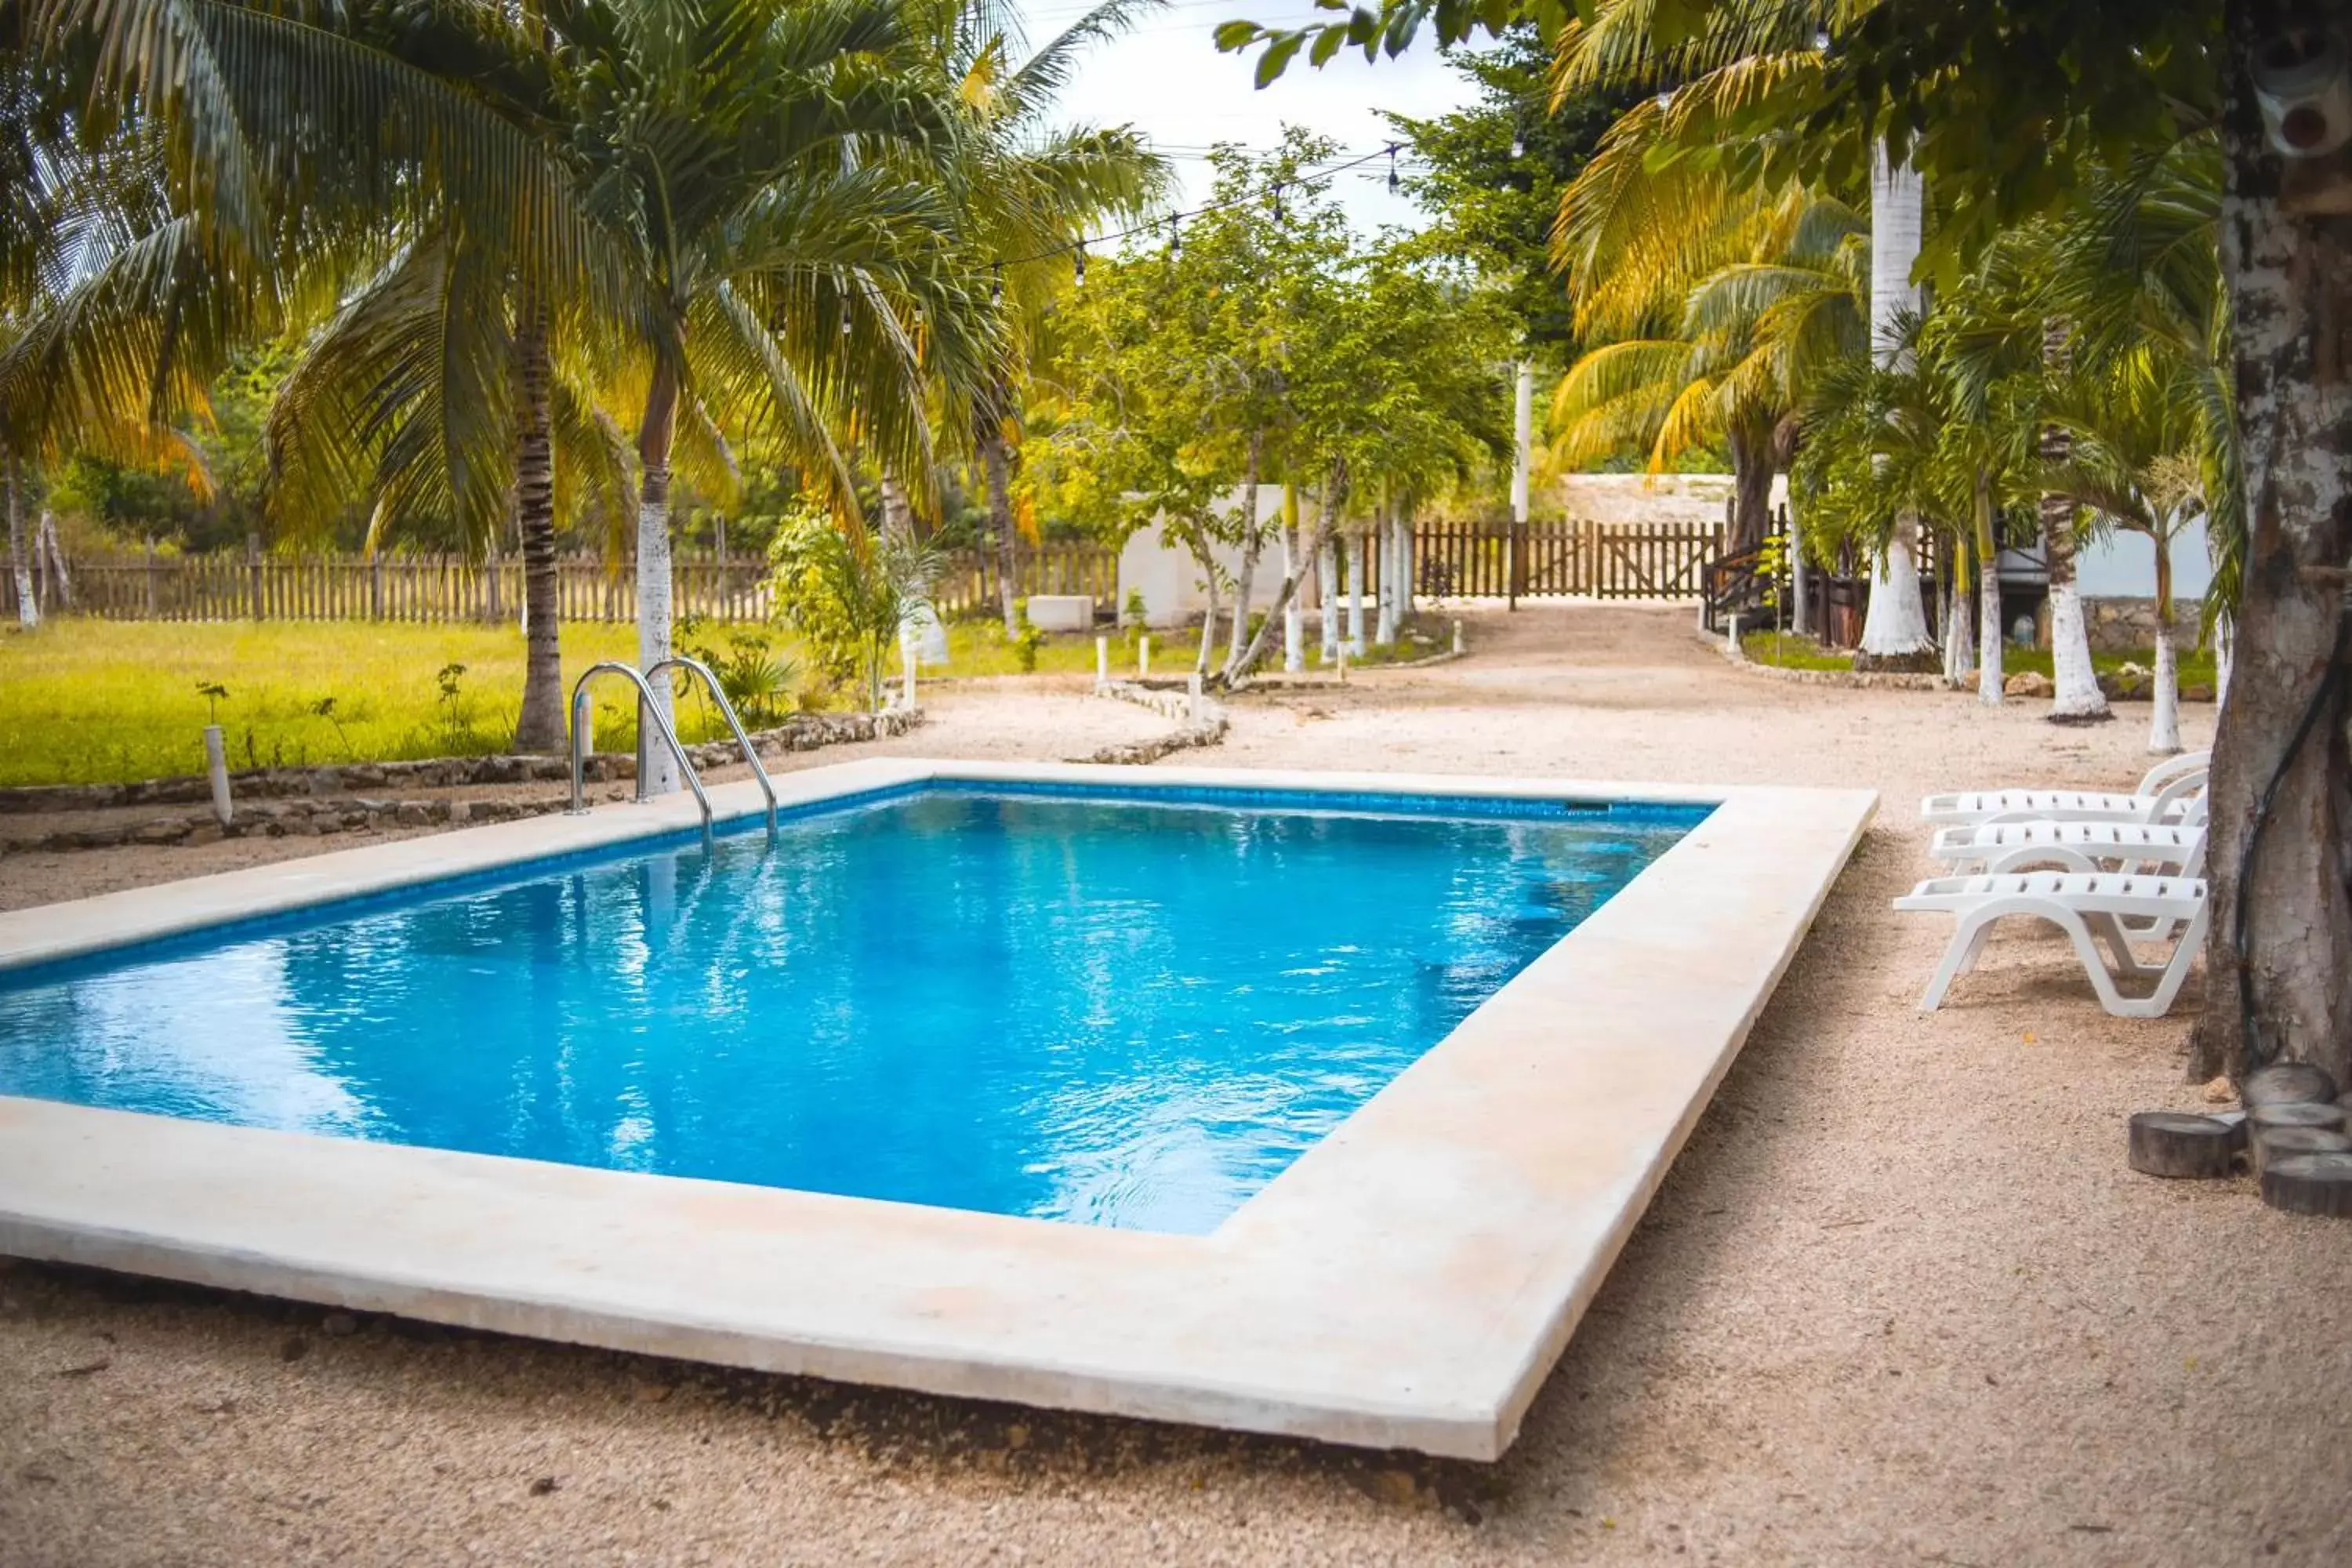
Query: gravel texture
{"points": [[1900, 1299]]}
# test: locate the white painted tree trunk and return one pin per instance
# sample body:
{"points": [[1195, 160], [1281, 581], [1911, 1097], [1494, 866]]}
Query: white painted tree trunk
{"points": [[1896, 625], [1800, 577], [1403, 526], [29, 608], [1327, 599], [2072, 671], [2164, 725], [1356, 595], [1294, 615], [1990, 682], [1960, 634], [660, 769], [1385, 631], [2225, 640], [1523, 432]]}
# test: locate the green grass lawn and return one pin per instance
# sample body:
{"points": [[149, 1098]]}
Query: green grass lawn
{"points": [[87, 701], [1792, 652]]}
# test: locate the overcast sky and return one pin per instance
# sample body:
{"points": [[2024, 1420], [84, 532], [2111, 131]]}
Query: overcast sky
{"points": [[1168, 80]]}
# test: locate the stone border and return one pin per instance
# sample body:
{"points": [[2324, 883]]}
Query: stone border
{"points": [[1408, 1282], [802, 733], [1209, 730]]}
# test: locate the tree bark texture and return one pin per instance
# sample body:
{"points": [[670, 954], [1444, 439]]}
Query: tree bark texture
{"points": [[660, 770], [1751, 493], [541, 727], [28, 609], [2291, 293], [2077, 699], [996, 462], [1895, 627], [1253, 542]]}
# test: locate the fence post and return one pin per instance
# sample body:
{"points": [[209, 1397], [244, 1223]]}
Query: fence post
{"points": [[152, 569], [253, 568], [376, 587]]}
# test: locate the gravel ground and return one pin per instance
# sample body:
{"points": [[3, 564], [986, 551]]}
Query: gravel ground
{"points": [[1899, 1300]]}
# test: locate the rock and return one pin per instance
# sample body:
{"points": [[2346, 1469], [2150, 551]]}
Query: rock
{"points": [[204, 832], [544, 1485], [2221, 1091], [460, 811], [164, 832], [1016, 1436], [325, 782], [2175, 1143], [2028, 683], [338, 1325], [650, 1393], [2283, 1081], [413, 814]]}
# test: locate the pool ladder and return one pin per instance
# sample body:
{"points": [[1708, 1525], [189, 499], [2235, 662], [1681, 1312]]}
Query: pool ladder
{"points": [[646, 708]]}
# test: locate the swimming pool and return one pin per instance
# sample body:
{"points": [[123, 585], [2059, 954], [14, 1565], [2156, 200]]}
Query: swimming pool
{"points": [[1131, 1008], [1407, 1280]]}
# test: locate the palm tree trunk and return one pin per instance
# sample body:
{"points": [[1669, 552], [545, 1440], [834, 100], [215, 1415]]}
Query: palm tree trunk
{"points": [[541, 728], [1960, 630], [1990, 687], [660, 770], [2078, 699], [2164, 724], [1751, 493], [1895, 627], [996, 462], [29, 608], [1252, 541]]}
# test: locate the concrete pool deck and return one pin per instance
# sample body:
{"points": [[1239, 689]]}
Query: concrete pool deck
{"points": [[1407, 1283]]}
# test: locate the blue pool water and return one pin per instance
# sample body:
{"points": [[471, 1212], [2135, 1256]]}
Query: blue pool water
{"points": [[1126, 1011]]}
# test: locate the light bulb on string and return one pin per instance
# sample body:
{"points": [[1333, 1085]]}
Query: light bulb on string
{"points": [[1175, 238], [1277, 202], [996, 283], [1081, 267], [1665, 98], [1821, 40], [1393, 169], [1518, 146], [844, 318]]}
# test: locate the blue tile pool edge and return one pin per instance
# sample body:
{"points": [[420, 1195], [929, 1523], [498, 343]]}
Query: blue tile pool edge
{"points": [[1218, 798]]}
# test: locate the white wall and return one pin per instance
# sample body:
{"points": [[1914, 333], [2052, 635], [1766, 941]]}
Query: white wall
{"points": [[1169, 577]]}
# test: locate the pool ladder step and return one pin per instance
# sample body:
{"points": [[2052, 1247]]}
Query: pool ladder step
{"points": [[648, 710]]}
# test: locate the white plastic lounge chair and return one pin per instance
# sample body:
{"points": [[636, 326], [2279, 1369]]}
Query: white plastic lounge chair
{"points": [[2173, 791], [2090, 907], [2131, 848]]}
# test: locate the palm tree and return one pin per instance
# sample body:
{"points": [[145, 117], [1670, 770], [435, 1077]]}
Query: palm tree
{"points": [[1020, 192]]}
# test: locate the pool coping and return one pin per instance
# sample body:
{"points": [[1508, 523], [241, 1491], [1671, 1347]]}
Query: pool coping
{"points": [[1408, 1282]]}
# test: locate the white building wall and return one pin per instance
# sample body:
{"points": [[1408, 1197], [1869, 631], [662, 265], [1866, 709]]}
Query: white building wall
{"points": [[1169, 577]]}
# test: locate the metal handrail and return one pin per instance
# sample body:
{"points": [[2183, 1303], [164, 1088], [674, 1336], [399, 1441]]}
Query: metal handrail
{"points": [[646, 708], [727, 711]]}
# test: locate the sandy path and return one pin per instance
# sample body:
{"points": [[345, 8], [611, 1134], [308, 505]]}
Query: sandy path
{"points": [[1898, 1301]]}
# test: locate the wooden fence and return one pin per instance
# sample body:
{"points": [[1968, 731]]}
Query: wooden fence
{"points": [[257, 585], [1538, 560]]}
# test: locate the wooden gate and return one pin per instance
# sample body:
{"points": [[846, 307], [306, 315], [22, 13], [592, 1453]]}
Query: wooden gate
{"points": [[1564, 556]]}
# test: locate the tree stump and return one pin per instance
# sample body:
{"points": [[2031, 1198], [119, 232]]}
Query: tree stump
{"points": [[2310, 1183], [2283, 1081], [2282, 1142], [2177, 1143], [2325, 1115]]}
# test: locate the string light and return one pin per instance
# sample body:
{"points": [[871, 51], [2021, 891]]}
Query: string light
{"points": [[1821, 40], [996, 284], [844, 318], [1518, 145], [1175, 239], [1277, 201], [1392, 173], [1082, 264]]}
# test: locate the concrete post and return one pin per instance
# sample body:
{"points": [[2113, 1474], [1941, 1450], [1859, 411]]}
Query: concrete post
{"points": [[1102, 664], [216, 764]]}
